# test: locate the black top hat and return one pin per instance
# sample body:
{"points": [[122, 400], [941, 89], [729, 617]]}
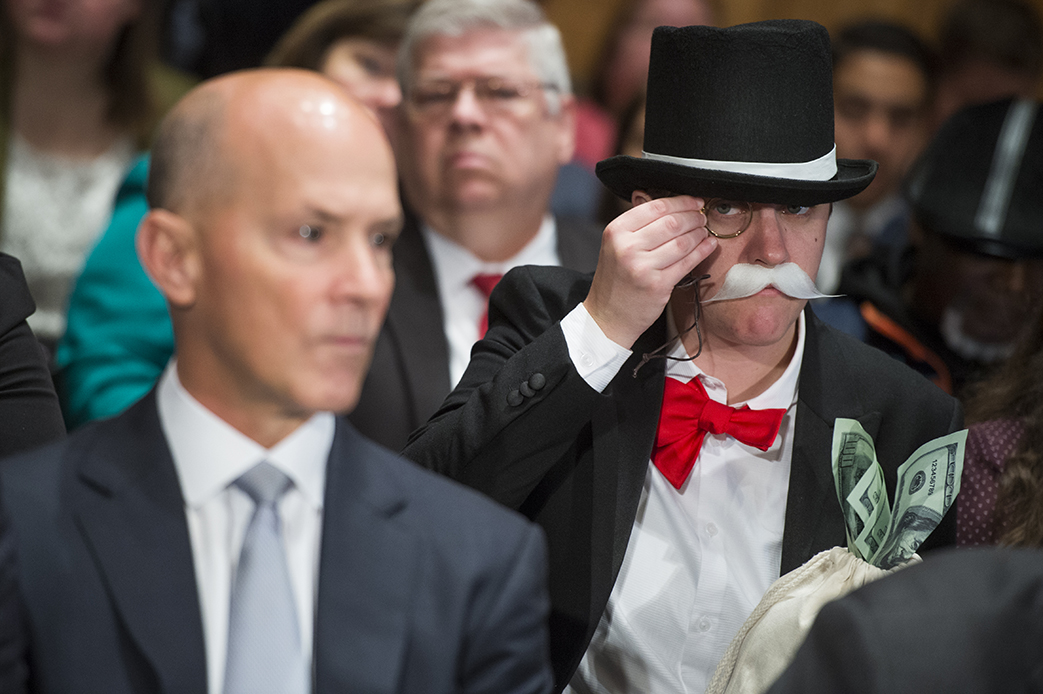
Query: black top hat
{"points": [[743, 113], [980, 181]]}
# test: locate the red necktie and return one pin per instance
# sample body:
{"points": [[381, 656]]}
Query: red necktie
{"points": [[688, 413], [485, 284]]}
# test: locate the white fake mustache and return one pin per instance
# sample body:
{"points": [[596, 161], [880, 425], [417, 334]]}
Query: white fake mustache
{"points": [[745, 280]]}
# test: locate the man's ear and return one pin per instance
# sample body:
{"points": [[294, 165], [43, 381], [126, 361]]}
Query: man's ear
{"points": [[566, 140], [638, 197], [168, 251]]}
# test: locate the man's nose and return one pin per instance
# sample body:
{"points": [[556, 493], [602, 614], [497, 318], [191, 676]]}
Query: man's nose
{"points": [[467, 107], [1015, 278], [388, 93], [766, 242], [877, 132], [363, 275]]}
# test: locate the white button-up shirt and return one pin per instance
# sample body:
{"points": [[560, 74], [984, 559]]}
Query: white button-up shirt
{"points": [[209, 455], [699, 558]]}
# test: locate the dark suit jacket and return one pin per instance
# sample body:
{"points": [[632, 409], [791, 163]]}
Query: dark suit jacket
{"points": [[968, 621], [409, 376], [423, 586], [13, 672], [29, 412], [525, 428]]}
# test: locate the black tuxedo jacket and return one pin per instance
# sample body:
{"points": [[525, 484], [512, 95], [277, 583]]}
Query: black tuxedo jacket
{"points": [[969, 621], [423, 586], [409, 376], [526, 429]]}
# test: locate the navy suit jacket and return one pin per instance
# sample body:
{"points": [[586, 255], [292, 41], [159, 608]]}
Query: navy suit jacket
{"points": [[409, 376], [424, 586], [525, 428]]}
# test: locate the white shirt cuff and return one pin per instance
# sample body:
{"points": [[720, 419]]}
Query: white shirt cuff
{"points": [[596, 358]]}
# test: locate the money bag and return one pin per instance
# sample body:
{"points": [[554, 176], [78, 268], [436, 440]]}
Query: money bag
{"points": [[771, 635]]}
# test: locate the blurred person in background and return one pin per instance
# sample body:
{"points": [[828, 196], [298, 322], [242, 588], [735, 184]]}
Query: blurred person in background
{"points": [[355, 43], [989, 50], [487, 119], [883, 87], [119, 336], [80, 92], [622, 68], [952, 303], [618, 82]]}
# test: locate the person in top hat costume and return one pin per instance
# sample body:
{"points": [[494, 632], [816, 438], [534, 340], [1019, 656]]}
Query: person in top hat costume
{"points": [[953, 303], [669, 513]]}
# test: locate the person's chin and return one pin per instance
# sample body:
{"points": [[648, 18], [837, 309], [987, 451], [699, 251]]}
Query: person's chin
{"points": [[474, 193], [339, 395]]}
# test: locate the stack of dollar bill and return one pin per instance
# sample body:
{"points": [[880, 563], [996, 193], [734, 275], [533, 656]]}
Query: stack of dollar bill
{"points": [[928, 482]]}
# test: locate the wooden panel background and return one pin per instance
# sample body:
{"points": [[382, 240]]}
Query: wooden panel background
{"points": [[583, 22]]}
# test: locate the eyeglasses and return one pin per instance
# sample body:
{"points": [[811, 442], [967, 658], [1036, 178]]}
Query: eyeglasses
{"points": [[726, 219], [496, 95]]}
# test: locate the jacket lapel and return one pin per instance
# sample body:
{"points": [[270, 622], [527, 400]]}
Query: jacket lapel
{"points": [[814, 521], [367, 573], [129, 507], [414, 325]]}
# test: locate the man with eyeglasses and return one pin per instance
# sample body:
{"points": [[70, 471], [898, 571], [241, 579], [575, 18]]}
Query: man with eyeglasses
{"points": [[669, 420], [486, 122]]}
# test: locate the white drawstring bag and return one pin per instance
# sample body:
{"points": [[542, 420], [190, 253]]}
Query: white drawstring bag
{"points": [[771, 635]]}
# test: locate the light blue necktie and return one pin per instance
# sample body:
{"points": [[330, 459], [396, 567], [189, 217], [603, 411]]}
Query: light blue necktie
{"points": [[264, 647]]}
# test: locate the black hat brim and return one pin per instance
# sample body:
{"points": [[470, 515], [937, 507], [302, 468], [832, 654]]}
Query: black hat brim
{"points": [[623, 175]]}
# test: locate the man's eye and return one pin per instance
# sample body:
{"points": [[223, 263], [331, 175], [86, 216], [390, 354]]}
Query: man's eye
{"points": [[372, 66], [309, 232], [433, 96], [501, 91], [725, 208], [853, 109], [798, 210]]}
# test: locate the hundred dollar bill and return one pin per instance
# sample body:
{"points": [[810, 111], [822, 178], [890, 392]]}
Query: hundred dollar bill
{"points": [[927, 486], [869, 501], [853, 457]]}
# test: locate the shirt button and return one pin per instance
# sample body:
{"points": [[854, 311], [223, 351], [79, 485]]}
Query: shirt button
{"points": [[704, 624], [711, 529], [587, 360]]}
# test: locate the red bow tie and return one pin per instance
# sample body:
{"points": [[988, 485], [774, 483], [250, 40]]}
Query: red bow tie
{"points": [[688, 413]]}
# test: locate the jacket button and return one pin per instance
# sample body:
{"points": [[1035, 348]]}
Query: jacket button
{"points": [[514, 398], [525, 390], [537, 381]]}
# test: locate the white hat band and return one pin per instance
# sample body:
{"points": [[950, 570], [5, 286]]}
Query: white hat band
{"points": [[822, 169]]}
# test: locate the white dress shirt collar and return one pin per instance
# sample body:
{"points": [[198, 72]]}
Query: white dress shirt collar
{"points": [[455, 265], [209, 454]]}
